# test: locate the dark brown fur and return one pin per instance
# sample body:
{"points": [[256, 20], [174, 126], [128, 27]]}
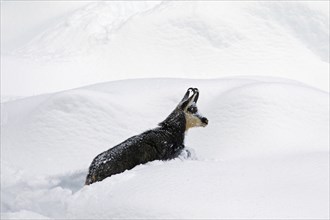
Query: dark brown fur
{"points": [[162, 143]]}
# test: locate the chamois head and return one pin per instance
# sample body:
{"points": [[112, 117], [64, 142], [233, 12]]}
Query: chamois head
{"points": [[188, 106], [186, 114]]}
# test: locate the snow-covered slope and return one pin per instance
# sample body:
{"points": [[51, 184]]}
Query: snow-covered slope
{"points": [[265, 153], [118, 40], [21, 21]]}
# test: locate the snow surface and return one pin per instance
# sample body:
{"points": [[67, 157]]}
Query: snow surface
{"points": [[105, 41], [264, 154], [22, 20]]}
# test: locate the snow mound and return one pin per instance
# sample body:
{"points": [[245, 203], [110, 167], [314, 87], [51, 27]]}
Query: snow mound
{"points": [[265, 153], [84, 29], [268, 115], [107, 41], [215, 26], [260, 188]]}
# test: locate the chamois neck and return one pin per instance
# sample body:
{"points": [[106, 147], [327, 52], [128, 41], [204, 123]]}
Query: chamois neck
{"points": [[175, 122]]}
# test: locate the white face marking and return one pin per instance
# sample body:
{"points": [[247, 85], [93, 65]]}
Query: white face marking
{"points": [[193, 119]]}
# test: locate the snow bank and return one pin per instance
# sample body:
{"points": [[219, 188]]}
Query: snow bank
{"points": [[276, 187], [265, 153], [106, 41], [21, 21], [268, 115]]}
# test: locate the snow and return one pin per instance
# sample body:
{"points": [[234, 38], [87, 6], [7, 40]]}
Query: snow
{"points": [[21, 20], [264, 154], [79, 77], [262, 188], [106, 41]]}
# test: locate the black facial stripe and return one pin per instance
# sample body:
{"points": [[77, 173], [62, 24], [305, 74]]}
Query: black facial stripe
{"points": [[192, 109]]}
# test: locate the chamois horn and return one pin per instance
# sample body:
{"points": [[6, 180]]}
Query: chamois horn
{"points": [[197, 94], [186, 96]]}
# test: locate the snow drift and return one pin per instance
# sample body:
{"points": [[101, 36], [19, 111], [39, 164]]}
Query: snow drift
{"points": [[105, 41], [265, 153]]}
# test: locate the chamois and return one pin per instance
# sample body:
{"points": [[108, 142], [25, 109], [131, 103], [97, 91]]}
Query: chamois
{"points": [[162, 143]]}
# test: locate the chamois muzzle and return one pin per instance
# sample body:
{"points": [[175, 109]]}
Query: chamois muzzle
{"points": [[205, 121]]}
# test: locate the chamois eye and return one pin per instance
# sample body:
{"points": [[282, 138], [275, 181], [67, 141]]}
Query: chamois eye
{"points": [[192, 109]]}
